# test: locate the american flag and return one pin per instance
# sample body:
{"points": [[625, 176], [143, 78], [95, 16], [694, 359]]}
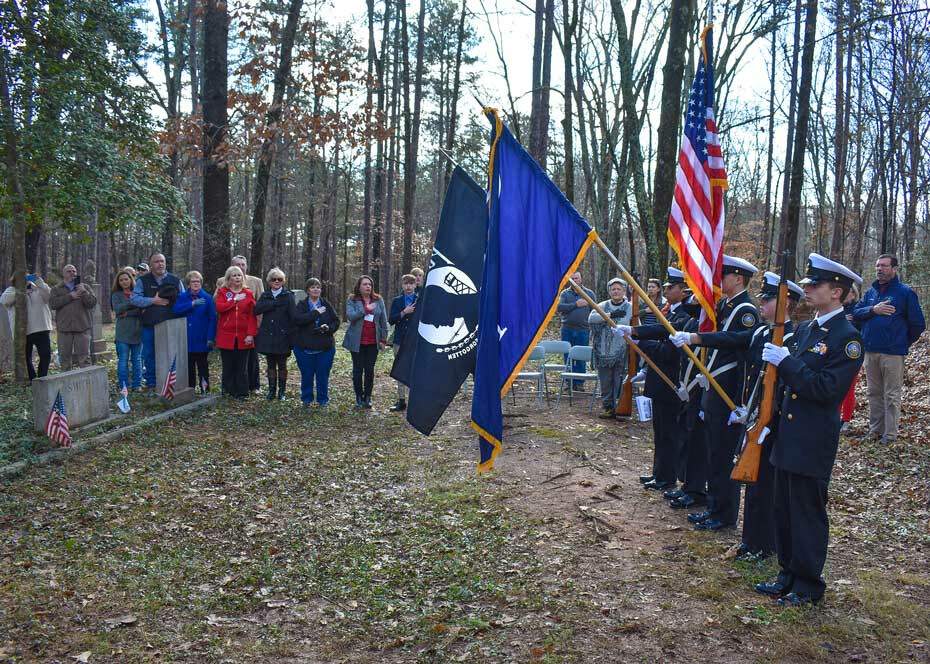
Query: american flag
{"points": [[56, 426], [168, 390], [695, 225]]}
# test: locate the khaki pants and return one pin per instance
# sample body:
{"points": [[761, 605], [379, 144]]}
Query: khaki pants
{"points": [[73, 350], [885, 377], [401, 388]]}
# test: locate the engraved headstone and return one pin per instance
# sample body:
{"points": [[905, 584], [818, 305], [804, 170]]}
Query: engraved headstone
{"points": [[84, 392], [171, 348]]}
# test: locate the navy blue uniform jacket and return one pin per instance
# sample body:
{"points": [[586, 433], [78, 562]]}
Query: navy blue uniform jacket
{"points": [[817, 376]]}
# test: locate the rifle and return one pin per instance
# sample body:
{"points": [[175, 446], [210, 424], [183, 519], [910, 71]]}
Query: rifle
{"points": [[625, 400], [746, 468]]}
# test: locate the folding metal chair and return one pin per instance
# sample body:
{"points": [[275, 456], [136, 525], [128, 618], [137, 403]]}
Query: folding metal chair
{"points": [[536, 359], [553, 347], [579, 354]]}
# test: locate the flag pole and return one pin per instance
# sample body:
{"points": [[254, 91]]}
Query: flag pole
{"points": [[610, 321], [668, 326]]}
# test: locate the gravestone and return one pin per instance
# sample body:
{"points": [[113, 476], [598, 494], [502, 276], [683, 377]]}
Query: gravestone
{"points": [[98, 348], [84, 392], [171, 347]]}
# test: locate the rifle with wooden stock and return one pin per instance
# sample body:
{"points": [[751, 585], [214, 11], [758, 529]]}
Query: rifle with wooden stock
{"points": [[746, 468], [625, 400]]}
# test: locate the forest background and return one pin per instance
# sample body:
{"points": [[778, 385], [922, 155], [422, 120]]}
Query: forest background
{"points": [[319, 137]]}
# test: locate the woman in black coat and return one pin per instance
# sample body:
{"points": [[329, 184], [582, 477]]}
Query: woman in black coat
{"points": [[277, 308], [315, 324]]}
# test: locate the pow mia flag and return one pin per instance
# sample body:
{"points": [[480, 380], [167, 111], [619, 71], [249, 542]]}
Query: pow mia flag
{"points": [[438, 351]]}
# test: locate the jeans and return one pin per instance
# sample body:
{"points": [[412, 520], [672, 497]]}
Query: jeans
{"points": [[314, 365], [128, 355], [576, 337], [148, 355]]}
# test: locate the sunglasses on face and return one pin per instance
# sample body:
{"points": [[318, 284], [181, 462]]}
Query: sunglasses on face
{"points": [[277, 279]]}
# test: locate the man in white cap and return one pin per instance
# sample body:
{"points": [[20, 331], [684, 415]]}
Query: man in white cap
{"points": [[817, 374], [667, 407], [758, 540], [735, 312]]}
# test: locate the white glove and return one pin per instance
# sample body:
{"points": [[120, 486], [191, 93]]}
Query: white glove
{"points": [[680, 338], [701, 415], [774, 354], [641, 376], [623, 330], [765, 432], [738, 416]]}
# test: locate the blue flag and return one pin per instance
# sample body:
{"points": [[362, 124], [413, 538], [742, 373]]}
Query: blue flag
{"points": [[536, 239]]}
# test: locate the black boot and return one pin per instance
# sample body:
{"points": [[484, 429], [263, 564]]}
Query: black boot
{"points": [[282, 385], [401, 405]]}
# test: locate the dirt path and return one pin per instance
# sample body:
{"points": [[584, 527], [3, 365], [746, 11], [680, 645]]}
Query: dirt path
{"points": [[270, 533]]}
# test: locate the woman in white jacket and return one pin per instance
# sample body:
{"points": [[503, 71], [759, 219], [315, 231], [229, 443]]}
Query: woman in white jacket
{"points": [[38, 322]]}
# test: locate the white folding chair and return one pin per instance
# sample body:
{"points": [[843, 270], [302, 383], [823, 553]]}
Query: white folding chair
{"points": [[579, 354], [533, 370], [553, 347]]}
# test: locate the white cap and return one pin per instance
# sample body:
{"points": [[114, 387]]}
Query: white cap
{"points": [[733, 264], [820, 268], [770, 287]]}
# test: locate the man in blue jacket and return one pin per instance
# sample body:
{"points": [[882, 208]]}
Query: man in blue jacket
{"points": [[891, 320], [402, 308]]}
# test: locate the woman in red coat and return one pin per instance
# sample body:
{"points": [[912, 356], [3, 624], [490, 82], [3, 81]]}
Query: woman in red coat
{"points": [[235, 332]]}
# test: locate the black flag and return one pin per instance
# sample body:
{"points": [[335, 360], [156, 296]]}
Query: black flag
{"points": [[439, 348]]}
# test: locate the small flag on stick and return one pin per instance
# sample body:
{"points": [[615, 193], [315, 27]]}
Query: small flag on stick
{"points": [[123, 404], [168, 390], [56, 427]]}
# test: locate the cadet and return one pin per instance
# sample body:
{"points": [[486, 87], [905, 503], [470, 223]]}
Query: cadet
{"points": [[735, 312], [817, 374], [758, 521], [667, 407]]}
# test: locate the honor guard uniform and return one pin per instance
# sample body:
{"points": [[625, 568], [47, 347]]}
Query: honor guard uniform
{"points": [[817, 375], [667, 406], [693, 492], [758, 539], [735, 313]]}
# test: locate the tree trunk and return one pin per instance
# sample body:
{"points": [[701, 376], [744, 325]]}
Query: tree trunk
{"points": [[792, 117], [790, 231], [272, 132], [217, 229], [840, 139], [18, 208], [412, 133], [453, 102], [667, 136], [569, 24], [542, 80], [196, 195]]}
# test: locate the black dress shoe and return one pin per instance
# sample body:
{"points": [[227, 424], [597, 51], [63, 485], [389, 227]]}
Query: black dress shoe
{"points": [[673, 494], [686, 501], [643, 479], [656, 485], [712, 524], [794, 599], [774, 589], [698, 517]]}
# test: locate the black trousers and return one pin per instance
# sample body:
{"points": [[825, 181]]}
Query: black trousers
{"points": [[759, 505], [252, 369], [665, 429], [276, 364], [722, 442], [197, 363], [695, 452], [801, 530], [363, 370], [42, 342], [235, 372]]}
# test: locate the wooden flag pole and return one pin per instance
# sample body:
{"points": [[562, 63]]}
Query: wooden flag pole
{"points": [[625, 401], [610, 321], [668, 326]]}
